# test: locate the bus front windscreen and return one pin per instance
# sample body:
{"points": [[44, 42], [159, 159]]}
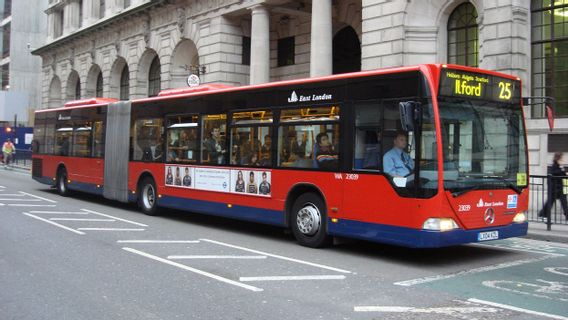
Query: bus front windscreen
{"points": [[483, 144]]}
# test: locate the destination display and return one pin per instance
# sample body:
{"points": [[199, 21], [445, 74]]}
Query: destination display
{"points": [[457, 83]]}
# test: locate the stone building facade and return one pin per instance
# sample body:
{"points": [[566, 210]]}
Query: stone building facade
{"points": [[131, 49]]}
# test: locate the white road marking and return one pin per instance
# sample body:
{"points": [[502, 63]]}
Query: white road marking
{"points": [[109, 229], [158, 241], [563, 271], [504, 306], [59, 212], [520, 249], [53, 223], [12, 195], [200, 272], [277, 256], [79, 219], [31, 205], [446, 310], [413, 282], [1, 204], [109, 216], [292, 278], [215, 257], [25, 200], [38, 197]]}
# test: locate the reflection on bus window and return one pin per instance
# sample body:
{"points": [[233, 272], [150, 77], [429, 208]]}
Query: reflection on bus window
{"points": [[182, 141], [63, 140], [368, 136], [147, 137], [214, 132], [82, 139]]}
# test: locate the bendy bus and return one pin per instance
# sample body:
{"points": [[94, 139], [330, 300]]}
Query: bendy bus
{"points": [[308, 154]]}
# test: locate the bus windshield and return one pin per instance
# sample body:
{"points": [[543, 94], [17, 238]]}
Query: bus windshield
{"points": [[483, 145]]}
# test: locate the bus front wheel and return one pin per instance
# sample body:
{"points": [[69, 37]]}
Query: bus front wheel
{"points": [[309, 221], [61, 182], [148, 197]]}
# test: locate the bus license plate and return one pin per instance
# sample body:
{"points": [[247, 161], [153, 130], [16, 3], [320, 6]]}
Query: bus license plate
{"points": [[489, 235]]}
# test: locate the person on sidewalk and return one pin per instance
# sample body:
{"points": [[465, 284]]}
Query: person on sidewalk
{"points": [[8, 150], [555, 189]]}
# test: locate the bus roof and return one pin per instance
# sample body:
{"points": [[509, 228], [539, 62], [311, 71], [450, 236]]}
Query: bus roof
{"points": [[212, 88]]}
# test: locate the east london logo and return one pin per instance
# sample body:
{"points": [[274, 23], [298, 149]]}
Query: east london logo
{"points": [[294, 97], [482, 204], [62, 117]]}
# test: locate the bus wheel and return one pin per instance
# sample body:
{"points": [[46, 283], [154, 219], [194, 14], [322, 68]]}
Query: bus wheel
{"points": [[309, 221], [148, 197], [61, 183]]}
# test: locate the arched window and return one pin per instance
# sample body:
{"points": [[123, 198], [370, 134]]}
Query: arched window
{"points": [[78, 90], [125, 84], [463, 35], [154, 78], [99, 89]]}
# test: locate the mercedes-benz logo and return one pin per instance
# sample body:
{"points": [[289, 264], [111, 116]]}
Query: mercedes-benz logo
{"points": [[489, 216]]}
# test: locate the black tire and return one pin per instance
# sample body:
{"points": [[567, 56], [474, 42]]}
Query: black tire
{"points": [[61, 183], [308, 221], [148, 196]]}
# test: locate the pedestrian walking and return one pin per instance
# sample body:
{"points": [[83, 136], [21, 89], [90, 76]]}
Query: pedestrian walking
{"points": [[555, 188]]}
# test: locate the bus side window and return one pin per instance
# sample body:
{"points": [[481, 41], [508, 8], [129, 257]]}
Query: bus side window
{"points": [[369, 140], [213, 139], [148, 144]]}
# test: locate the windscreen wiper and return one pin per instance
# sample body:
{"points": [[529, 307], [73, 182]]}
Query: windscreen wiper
{"points": [[508, 183], [465, 190]]}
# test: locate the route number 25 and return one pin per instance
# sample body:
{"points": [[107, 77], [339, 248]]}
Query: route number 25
{"points": [[505, 90]]}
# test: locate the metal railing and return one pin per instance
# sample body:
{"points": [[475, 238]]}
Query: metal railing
{"points": [[540, 191], [22, 158]]}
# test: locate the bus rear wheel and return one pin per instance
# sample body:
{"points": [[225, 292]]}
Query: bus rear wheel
{"points": [[61, 182], [308, 221], [148, 197]]}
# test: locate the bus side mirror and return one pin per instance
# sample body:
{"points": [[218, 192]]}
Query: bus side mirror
{"points": [[410, 114]]}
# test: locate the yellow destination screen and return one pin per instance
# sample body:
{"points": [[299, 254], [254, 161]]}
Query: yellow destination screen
{"points": [[457, 83]]}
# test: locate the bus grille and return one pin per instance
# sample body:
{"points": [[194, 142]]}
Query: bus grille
{"points": [[37, 168]]}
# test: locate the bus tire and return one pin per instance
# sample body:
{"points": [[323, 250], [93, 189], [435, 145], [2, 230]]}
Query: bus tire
{"points": [[61, 182], [309, 221], [148, 197]]}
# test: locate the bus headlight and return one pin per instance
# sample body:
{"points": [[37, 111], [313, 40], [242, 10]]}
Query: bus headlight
{"points": [[440, 224], [520, 217]]}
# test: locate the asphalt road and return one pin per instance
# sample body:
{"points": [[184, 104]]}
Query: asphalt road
{"points": [[83, 257]]}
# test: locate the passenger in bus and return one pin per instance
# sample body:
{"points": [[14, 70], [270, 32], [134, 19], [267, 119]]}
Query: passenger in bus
{"points": [[240, 184], [397, 162], [266, 151], [251, 187], [324, 155], [215, 147], [293, 149], [254, 160], [185, 144]]}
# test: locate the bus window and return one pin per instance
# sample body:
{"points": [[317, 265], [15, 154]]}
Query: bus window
{"points": [[213, 135], [182, 139], [99, 141], [147, 136], [82, 139], [251, 142], [313, 142], [63, 139], [368, 136], [50, 121]]}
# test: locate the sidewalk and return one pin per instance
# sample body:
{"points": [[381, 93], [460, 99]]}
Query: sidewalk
{"points": [[537, 231]]}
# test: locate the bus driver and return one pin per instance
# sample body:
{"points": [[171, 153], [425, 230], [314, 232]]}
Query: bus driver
{"points": [[397, 162]]}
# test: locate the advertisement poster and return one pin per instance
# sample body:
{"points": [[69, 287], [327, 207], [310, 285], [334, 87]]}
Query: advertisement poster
{"points": [[239, 181]]}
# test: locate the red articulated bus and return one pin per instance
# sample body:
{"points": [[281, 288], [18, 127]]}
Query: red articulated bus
{"points": [[313, 155]]}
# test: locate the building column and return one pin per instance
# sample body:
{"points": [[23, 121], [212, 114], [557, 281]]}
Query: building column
{"points": [[321, 50], [260, 45]]}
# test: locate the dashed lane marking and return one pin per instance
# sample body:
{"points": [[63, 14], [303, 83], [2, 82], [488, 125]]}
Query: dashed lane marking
{"points": [[38, 197], [30, 205], [109, 229], [53, 223], [59, 212], [277, 256], [197, 271], [423, 280], [80, 219], [292, 278], [504, 306], [214, 257], [112, 217], [20, 199], [158, 241]]}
